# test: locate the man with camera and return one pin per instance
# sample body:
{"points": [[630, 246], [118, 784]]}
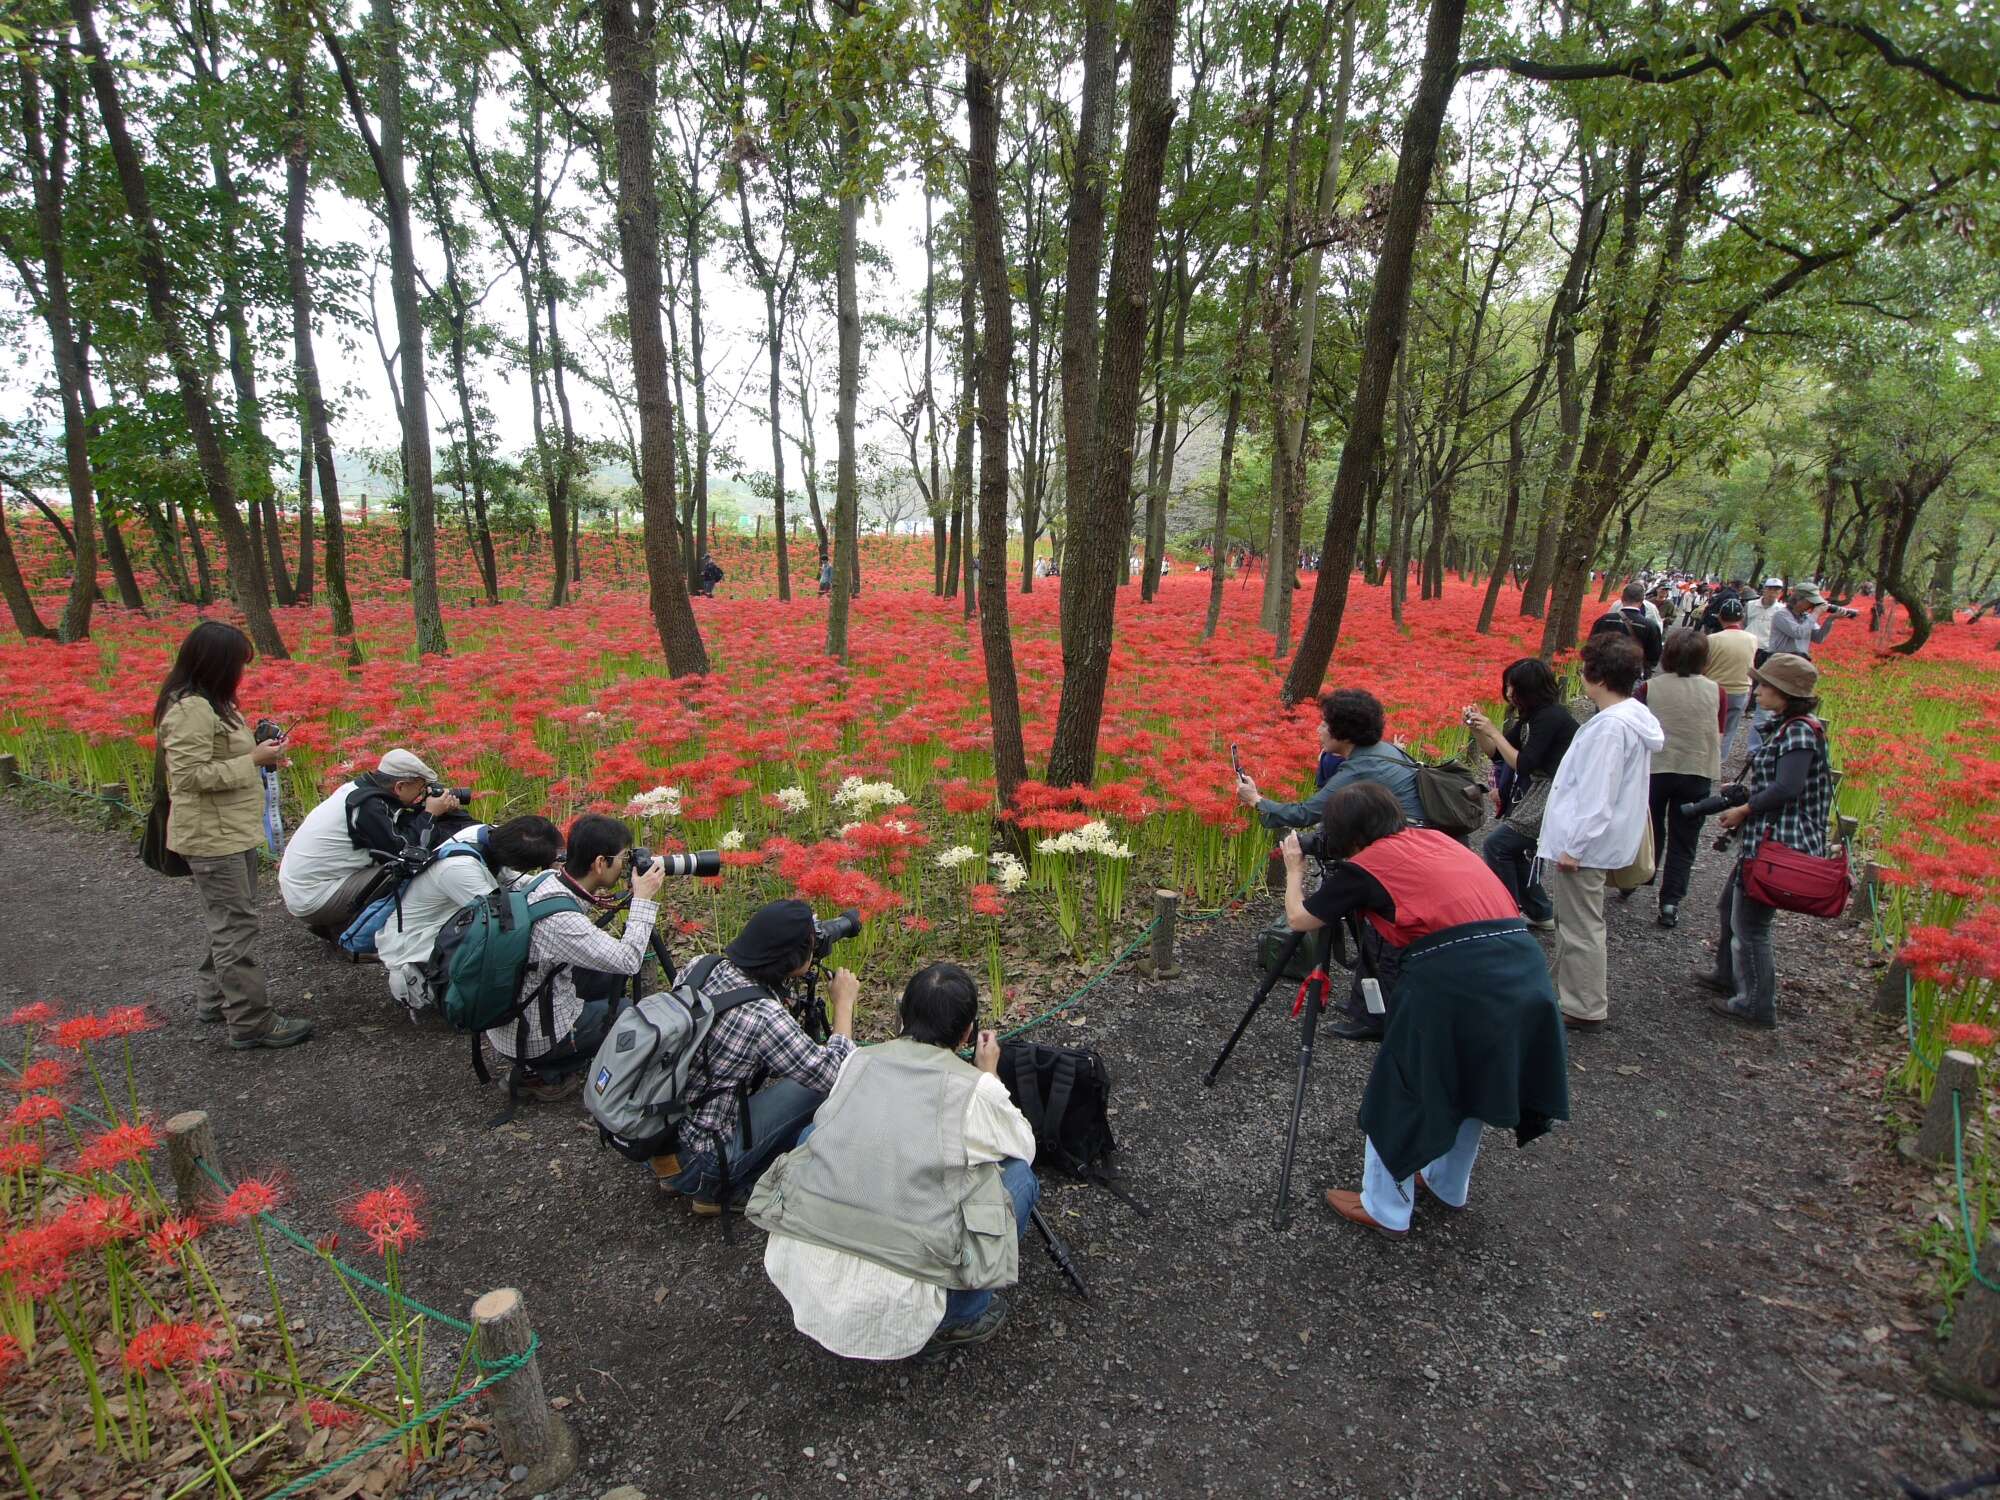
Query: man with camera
{"points": [[758, 1075], [1804, 622], [903, 1204], [466, 867], [332, 858], [567, 945]]}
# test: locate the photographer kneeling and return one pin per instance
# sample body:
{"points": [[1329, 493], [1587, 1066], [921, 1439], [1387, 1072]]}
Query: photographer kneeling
{"points": [[903, 1204], [743, 1121], [1477, 1038]]}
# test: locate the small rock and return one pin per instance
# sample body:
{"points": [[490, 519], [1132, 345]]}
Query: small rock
{"points": [[1752, 1413], [518, 1473], [249, 1320], [624, 1492]]}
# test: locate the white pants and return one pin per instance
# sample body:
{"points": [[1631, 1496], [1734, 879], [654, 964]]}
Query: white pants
{"points": [[1449, 1178]]}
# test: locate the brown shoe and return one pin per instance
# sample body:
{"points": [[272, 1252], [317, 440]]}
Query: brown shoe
{"points": [[710, 1208], [1582, 1023], [1457, 1208], [552, 1090], [1348, 1206]]}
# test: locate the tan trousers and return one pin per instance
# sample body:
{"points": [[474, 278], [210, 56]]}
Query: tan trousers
{"points": [[231, 976], [1580, 968]]}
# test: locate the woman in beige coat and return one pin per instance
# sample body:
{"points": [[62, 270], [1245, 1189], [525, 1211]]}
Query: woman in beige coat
{"points": [[215, 821]]}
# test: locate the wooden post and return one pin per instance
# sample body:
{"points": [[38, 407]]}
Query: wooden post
{"points": [[190, 1141], [10, 773], [1971, 1367], [531, 1433], [1957, 1072], [1889, 990], [1868, 894], [1847, 828], [1166, 918], [112, 791]]}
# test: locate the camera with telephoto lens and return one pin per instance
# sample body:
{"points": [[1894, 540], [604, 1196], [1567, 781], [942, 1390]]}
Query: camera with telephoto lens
{"points": [[1722, 801], [268, 730], [808, 1009], [837, 930], [463, 793], [701, 862], [1312, 844]]}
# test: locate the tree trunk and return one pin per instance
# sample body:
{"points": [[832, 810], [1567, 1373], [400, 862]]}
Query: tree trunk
{"points": [[963, 524], [20, 603], [1382, 338], [1083, 242], [308, 541], [629, 37], [982, 96], [774, 329], [846, 497], [196, 404], [1100, 519]]}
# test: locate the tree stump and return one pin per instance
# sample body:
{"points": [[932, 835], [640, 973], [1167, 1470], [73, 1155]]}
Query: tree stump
{"points": [[1971, 1367], [190, 1141], [530, 1431], [10, 773], [1160, 964], [1957, 1073], [1889, 990]]}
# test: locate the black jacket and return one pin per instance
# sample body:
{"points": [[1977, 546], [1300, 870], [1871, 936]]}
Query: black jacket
{"points": [[1633, 622]]}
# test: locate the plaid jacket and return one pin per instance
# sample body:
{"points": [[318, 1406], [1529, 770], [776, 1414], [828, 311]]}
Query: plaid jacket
{"points": [[753, 1042], [1801, 823]]}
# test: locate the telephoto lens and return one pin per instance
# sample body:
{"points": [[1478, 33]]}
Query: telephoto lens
{"points": [[701, 862], [835, 930]]}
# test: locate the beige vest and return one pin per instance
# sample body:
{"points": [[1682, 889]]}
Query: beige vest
{"points": [[1730, 654], [1686, 708]]}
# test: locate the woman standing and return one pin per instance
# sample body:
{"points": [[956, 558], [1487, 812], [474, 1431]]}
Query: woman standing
{"points": [[1692, 709], [215, 821], [1475, 1038], [1538, 733], [1791, 798]]}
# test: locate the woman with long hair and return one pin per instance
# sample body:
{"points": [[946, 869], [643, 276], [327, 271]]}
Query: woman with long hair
{"points": [[210, 762], [1530, 748]]}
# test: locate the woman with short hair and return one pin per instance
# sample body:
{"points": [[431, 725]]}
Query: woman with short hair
{"points": [[1691, 708], [209, 762], [1475, 1038], [1790, 786]]}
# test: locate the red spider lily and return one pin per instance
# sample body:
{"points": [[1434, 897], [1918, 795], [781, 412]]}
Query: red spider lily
{"points": [[130, 1020], [117, 1147], [388, 1216], [1968, 1034], [42, 1073], [36, 1109], [250, 1197], [35, 1248], [986, 901], [173, 1236], [40, 1013], [101, 1219], [163, 1346], [323, 1413], [328, 1243], [80, 1031], [20, 1156]]}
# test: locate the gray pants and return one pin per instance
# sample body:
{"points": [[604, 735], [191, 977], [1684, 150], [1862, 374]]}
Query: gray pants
{"points": [[232, 979], [1745, 956]]}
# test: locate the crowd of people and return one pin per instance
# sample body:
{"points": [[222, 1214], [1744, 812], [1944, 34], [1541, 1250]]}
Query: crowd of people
{"points": [[894, 1182]]}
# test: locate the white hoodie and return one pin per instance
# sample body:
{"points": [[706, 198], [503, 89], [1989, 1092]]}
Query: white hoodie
{"points": [[1598, 806]]}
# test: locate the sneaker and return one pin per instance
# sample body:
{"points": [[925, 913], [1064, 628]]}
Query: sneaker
{"points": [[1542, 924], [552, 1090], [1670, 916], [208, 1015], [285, 1031], [1737, 1008], [965, 1335]]}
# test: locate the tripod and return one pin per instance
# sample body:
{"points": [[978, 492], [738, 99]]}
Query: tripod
{"points": [[1312, 1001], [1059, 1253]]}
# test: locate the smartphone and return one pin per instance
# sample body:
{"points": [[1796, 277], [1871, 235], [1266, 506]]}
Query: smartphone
{"points": [[1235, 764], [1371, 995]]}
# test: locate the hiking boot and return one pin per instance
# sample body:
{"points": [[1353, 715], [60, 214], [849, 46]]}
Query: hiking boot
{"points": [[1670, 915], [552, 1090], [208, 1013], [285, 1031], [1738, 1008], [1369, 1030], [965, 1335], [1715, 982]]}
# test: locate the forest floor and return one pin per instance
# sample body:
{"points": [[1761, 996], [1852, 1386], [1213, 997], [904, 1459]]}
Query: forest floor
{"points": [[1702, 1285]]}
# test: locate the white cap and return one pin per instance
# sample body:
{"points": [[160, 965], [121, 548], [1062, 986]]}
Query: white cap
{"points": [[1774, 583], [404, 766]]}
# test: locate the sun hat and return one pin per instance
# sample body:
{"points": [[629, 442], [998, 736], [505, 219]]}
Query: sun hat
{"points": [[1794, 676], [1774, 583], [402, 765], [1808, 593]]}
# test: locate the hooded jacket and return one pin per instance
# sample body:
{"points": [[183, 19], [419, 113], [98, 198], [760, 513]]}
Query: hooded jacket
{"points": [[1598, 806]]}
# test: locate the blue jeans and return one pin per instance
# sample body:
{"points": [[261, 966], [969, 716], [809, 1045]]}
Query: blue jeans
{"points": [[1019, 1179], [1745, 956], [1739, 710], [1389, 1202], [1510, 854], [780, 1117]]}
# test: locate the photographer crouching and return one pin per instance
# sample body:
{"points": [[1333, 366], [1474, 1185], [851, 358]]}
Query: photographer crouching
{"points": [[759, 1076], [1475, 1038]]}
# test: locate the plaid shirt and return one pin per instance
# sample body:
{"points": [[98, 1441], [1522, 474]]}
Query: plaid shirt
{"points": [[571, 939], [1801, 823], [754, 1041]]}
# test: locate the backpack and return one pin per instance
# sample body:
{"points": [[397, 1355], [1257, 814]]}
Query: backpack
{"points": [[1454, 799], [1064, 1092], [358, 937], [479, 964], [638, 1087]]}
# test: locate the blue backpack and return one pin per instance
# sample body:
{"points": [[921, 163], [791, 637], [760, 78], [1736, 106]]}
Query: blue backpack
{"points": [[358, 937]]}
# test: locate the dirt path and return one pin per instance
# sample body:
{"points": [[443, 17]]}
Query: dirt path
{"points": [[1695, 1288]]}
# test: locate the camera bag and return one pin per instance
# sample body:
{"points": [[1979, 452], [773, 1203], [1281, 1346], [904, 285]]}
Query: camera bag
{"points": [[1454, 800], [1065, 1094]]}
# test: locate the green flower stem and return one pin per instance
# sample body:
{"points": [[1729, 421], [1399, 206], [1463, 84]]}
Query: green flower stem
{"points": [[277, 1301], [20, 1463]]}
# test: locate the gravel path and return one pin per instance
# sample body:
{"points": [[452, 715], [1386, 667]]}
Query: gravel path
{"points": [[1701, 1286]]}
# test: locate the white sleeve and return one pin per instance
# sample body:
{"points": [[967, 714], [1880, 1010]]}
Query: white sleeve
{"points": [[994, 1128]]}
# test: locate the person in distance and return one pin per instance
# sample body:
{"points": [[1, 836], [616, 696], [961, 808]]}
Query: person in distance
{"points": [[332, 852], [741, 1125], [468, 865], [596, 863], [210, 763], [1630, 619], [1476, 1038], [902, 1207]]}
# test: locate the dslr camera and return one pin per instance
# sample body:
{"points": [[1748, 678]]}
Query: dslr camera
{"points": [[1722, 801], [463, 793], [808, 1009], [702, 862], [268, 730], [1312, 843]]}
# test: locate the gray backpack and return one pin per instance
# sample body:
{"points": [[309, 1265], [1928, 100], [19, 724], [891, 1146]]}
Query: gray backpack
{"points": [[638, 1089]]}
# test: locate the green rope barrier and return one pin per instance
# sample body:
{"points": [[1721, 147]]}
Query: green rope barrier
{"points": [[63, 787], [1964, 1208]]}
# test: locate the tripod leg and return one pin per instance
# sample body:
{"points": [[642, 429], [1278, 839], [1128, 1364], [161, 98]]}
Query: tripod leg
{"points": [[1291, 946], [1059, 1253], [1308, 1028]]}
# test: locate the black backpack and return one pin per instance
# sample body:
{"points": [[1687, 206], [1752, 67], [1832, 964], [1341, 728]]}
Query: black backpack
{"points": [[1065, 1092]]}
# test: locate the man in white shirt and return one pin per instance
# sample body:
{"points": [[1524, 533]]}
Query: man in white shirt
{"points": [[1757, 613], [1596, 819], [902, 1206], [465, 867], [376, 813]]}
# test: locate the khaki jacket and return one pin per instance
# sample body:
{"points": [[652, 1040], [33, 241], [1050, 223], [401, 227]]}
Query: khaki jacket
{"points": [[216, 795]]}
